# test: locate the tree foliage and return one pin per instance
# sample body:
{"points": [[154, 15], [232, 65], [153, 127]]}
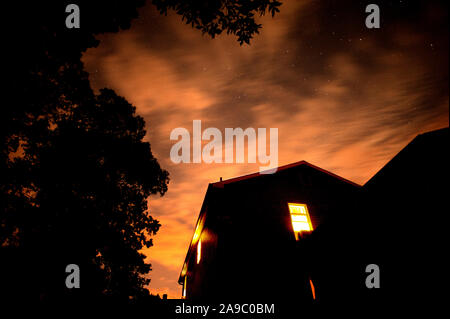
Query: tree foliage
{"points": [[215, 16], [76, 181], [75, 169]]}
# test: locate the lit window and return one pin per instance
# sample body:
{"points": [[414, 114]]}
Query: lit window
{"points": [[199, 251], [300, 218]]}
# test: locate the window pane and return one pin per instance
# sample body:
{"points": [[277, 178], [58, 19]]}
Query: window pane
{"points": [[299, 218], [297, 209], [303, 210], [299, 226]]}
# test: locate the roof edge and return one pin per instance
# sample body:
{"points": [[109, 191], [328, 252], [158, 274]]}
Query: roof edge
{"points": [[281, 168]]}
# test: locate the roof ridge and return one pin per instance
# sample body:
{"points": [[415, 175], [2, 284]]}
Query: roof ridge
{"points": [[280, 168]]}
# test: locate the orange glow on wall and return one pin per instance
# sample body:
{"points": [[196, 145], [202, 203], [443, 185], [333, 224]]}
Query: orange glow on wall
{"points": [[313, 290], [199, 251], [300, 218], [194, 241]]}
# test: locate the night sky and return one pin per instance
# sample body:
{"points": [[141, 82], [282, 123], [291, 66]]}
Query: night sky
{"points": [[343, 97]]}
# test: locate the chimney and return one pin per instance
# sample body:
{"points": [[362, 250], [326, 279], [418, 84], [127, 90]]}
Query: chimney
{"points": [[221, 178]]}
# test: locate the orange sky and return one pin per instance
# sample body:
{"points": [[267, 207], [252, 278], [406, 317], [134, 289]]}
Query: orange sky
{"points": [[344, 98]]}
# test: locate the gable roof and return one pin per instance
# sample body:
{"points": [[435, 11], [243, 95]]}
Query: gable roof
{"points": [[282, 168]]}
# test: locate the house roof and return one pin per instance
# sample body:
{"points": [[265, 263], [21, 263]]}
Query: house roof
{"points": [[426, 149]]}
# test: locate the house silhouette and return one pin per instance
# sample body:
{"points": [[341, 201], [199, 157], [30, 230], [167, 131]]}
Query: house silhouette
{"points": [[305, 236]]}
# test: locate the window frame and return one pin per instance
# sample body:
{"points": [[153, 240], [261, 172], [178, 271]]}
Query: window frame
{"points": [[307, 215]]}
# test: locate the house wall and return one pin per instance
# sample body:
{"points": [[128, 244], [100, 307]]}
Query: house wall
{"points": [[251, 251]]}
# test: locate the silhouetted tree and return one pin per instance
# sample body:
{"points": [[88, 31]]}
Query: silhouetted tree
{"points": [[75, 170], [77, 193]]}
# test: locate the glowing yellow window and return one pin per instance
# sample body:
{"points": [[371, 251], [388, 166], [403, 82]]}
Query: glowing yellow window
{"points": [[300, 218]]}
